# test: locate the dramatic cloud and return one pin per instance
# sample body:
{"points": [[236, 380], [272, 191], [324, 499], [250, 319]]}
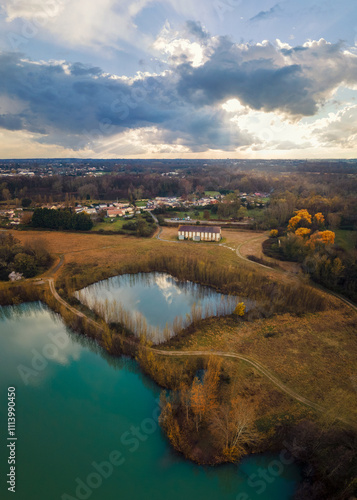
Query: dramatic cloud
{"points": [[183, 105], [87, 23]]}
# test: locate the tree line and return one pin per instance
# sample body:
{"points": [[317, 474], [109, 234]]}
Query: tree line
{"points": [[61, 219]]}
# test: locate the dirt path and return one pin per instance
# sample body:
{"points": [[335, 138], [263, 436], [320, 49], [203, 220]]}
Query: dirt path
{"points": [[255, 364], [259, 367], [287, 273]]}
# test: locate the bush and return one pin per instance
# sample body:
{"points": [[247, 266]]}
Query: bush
{"points": [[4, 271], [25, 264], [130, 226]]}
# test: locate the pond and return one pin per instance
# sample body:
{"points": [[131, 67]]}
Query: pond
{"points": [[86, 426], [156, 305]]}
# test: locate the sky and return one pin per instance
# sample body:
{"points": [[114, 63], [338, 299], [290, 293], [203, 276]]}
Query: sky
{"points": [[178, 79]]}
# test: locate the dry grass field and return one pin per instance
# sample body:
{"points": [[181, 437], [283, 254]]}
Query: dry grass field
{"points": [[315, 354], [109, 252]]}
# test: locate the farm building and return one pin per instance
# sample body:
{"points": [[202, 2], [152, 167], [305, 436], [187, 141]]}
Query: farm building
{"points": [[198, 233]]}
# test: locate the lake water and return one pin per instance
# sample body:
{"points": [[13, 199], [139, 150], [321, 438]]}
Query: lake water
{"points": [[155, 303], [77, 408]]}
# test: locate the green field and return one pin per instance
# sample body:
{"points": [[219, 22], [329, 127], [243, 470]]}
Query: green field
{"points": [[346, 239], [141, 203], [110, 226], [212, 193], [191, 214]]}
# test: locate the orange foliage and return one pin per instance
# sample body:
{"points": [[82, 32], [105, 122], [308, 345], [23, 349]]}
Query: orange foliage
{"points": [[171, 426], [322, 237], [302, 214], [320, 219], [204, 395], [302, 231], [273, 233], [293, 222], [328, 237], [211, 382], [240, 309], [198, 402]]}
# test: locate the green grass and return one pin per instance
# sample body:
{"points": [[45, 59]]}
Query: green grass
{"points": [[110, 226], [191, 213], [254, 212], [346, 239], [212, 193], [141, 203]]}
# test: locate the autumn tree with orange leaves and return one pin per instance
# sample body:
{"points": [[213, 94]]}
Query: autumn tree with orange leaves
{"points": [[302, 219], [308, 242], [204, 395], [299, 225], [322, 238], [303, 231]]}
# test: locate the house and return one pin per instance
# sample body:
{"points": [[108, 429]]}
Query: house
{"points": [[200, 233], [113, 212], [121, 205]]}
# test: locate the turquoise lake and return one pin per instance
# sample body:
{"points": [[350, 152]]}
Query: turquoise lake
{"points": [[77, 408]]}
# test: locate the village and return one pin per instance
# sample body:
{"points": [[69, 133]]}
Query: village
{"points": [[16, 212]]}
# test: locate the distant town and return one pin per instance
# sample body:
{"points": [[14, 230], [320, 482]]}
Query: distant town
{"points": [[98, 167]]}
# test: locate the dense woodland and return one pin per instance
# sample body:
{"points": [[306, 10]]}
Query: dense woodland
{"points": [[27, 260], [61, 219]]}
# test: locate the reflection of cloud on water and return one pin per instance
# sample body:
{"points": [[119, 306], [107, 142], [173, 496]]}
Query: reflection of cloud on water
{"points": [[44, 334], [36, 343], [148, 301], [167, 287]]}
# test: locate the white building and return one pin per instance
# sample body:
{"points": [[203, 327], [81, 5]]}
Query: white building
{"points": [[200, 233]]}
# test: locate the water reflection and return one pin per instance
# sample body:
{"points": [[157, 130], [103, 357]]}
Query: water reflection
{"points": [[78, 413], [155, 305]]}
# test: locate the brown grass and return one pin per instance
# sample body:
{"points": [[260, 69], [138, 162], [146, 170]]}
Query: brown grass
{"points": [[108, 252], [314, 354], [253, 246]]}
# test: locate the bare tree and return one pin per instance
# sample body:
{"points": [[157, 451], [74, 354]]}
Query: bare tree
{"points": [[232, 426]]}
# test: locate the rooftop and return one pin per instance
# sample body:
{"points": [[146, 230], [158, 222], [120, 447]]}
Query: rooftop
{"points": [[201, 229]]}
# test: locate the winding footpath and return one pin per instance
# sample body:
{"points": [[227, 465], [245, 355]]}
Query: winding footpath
{"points": [[250, 361], [319, 287], [255, 364]]}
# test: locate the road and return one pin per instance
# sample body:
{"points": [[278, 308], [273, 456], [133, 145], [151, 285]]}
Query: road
{"points": [[209, 222]]}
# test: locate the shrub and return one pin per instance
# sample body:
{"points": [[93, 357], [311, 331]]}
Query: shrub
{"points": [[25, 264]]}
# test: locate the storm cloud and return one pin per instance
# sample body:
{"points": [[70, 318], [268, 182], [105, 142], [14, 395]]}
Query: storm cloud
{"points": [[73, 104]]}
